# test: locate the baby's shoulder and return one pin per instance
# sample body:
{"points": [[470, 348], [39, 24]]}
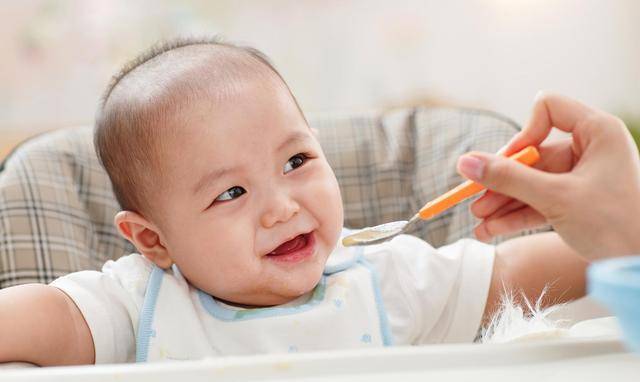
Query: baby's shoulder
{"points": [[134, 264], [131, 271], [397, 260], [412, 248], [409, 259]]}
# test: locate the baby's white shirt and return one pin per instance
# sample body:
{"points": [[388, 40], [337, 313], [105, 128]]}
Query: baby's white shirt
{"points": [[412, 294]]}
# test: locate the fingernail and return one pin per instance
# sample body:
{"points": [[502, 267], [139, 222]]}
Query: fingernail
{"points": [[539, 95], [471, 167]]}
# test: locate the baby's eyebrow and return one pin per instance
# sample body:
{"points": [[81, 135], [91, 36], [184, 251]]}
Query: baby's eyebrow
{"points": [[296, 137], [210, 177]]}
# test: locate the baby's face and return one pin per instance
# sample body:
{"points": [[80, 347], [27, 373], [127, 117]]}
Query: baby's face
{"points": [[253, 209]]}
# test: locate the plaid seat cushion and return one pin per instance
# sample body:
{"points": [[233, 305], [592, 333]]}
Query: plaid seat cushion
{"points": [[57, 206]]}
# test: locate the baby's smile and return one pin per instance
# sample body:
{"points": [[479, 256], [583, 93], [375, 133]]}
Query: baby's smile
{"points": [[295, 250]]}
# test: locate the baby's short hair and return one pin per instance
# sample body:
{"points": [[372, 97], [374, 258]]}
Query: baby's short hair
{"points": [[149, 92]]}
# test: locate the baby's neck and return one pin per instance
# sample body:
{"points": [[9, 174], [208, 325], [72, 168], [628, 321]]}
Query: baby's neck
{"points": [[242, 306]]}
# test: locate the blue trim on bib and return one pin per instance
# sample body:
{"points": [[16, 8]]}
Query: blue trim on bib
{"points": [[146, 314], [385, 329], [223, 313]]}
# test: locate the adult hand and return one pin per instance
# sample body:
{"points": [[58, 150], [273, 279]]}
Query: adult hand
{"points": [[586, 186]]}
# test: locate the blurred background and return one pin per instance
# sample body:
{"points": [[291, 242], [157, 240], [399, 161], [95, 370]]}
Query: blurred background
{"points": [[58, 55]]}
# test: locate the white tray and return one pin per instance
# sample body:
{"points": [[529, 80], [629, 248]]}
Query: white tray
{"points": [[561, 360]]}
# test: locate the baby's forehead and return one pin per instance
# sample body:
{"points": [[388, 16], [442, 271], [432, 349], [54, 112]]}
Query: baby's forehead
{"points": [[232, 148]]}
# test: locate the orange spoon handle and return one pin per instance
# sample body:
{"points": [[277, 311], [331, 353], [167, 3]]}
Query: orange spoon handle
{"points": [[529, 156]]}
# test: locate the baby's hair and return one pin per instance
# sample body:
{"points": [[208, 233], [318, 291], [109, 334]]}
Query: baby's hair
{"points": [[166, 46], [148, 93]]}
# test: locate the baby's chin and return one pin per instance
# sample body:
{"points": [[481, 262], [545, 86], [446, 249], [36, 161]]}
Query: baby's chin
{"points": [[289, 289], [295, 289]]}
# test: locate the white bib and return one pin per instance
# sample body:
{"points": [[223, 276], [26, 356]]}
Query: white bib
{"points": [[344, 310]]}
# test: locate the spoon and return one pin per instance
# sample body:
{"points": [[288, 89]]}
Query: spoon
{"points": [[383, 232]]}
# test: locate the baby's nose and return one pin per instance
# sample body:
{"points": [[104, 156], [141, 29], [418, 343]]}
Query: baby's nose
{"points": [[279, 210]]}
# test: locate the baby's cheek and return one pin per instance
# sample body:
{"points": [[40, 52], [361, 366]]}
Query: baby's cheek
{"points": [[224, 273], [331, 210]]}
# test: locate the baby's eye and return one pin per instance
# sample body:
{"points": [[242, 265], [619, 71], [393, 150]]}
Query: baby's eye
{"points": [[230, 194], [295, 162]]}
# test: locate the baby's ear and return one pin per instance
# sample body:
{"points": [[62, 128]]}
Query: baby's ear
{"points": [[144, 235]]}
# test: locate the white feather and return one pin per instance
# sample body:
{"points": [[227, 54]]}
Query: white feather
{"points": [[515, 322]]}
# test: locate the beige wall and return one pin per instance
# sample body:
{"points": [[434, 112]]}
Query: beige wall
{"points": [[337, 55]]}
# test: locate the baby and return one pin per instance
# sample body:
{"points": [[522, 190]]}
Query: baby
{"points": [[237, 217]]}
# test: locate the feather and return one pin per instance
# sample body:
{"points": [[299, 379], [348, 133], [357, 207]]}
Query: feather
{"points": [[514, 322]]}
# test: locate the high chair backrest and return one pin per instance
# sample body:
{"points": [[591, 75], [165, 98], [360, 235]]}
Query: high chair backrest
{"points": [[57, 206]]}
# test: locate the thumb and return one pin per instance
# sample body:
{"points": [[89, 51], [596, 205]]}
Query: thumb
{"points": [[509, 177]]}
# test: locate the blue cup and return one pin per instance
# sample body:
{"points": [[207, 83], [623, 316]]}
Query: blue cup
{"points": [[615, 284]]}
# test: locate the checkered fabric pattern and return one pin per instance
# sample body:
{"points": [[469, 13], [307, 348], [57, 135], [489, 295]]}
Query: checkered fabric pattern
{"points": [[57, 206]]}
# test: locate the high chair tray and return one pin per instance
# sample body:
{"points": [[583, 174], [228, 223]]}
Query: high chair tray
{"points": [[559, 360]]}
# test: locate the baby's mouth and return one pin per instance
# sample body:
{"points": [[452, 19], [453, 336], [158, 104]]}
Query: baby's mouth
{"points": [[292, 245], [294, 250]]}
